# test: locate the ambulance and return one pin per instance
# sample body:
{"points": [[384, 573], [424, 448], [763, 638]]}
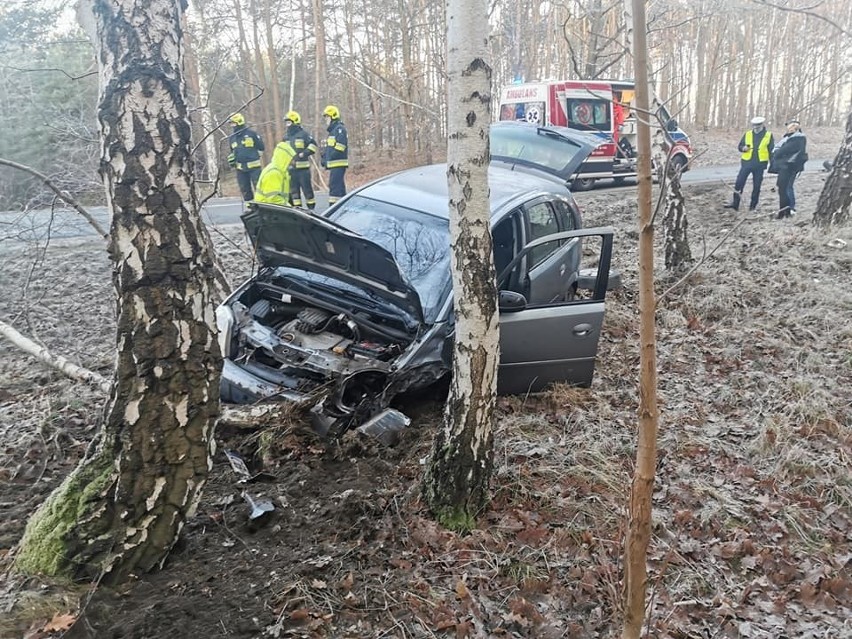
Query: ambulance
{"points": [[600, 107]]}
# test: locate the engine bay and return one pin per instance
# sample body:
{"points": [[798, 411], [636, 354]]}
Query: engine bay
{"points": [[308, 342]]}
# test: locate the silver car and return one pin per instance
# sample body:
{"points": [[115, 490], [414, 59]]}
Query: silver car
{"points": [[351, 309]]}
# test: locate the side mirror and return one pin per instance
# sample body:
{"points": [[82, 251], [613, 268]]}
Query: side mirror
{"points": [[671, 125], [509, 302]]}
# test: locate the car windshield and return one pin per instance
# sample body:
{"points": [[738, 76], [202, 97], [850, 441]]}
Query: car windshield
{"points": [[534, 146], [419, 242]]}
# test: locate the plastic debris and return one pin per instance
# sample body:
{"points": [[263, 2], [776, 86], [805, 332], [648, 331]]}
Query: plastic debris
{"points": [[386, 426], [259, 507]]}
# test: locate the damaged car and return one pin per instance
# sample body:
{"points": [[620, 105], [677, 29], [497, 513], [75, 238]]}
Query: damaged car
{"points": [[350, 309]]}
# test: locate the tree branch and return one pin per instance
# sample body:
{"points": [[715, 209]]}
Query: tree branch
{"points": [[57, 362], [805, 11], [64, 196]]}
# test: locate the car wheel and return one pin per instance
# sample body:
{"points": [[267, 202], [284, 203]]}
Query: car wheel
{"points": [[587, 277], [582, 184], [678, 162]]}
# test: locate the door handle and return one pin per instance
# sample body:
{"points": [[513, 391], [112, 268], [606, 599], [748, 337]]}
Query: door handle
{"points": [[581, 330], [561, 270]]}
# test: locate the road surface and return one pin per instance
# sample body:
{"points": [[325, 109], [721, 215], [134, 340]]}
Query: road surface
{"points": [[61, 223]]}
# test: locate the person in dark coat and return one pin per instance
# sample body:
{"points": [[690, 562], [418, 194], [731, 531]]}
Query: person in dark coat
{"points": [[789, 160], [300, 172], [335, 156], [755, 148], [246, 147]]}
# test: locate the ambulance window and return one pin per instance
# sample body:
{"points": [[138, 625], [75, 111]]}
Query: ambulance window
{"points": [[507, 112], [523, 112], [589, 115]]}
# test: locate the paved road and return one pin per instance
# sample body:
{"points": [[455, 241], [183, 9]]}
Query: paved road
{"points": [[706, 174], [67, 223], [62, 223]]}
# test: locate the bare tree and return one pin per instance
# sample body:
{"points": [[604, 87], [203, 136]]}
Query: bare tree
{"points": [[639, 523], [456, 483], [121, 510]]}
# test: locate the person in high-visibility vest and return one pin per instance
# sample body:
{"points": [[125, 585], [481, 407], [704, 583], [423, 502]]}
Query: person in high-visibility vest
{"points": [[246, 147], [273, 185], [335, 155], [755, 148]]}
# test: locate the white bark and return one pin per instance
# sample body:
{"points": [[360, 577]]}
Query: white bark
{"points": [[457, 480], [54, 361], [469, 93], [122, 509]]}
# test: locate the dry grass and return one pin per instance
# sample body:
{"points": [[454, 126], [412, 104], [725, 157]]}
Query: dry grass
{"points": [[755, 363]]}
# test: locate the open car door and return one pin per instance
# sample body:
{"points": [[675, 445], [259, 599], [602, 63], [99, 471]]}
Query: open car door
{"points": [[554, 342]]}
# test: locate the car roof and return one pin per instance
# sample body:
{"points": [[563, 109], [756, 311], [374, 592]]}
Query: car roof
{"points": [[425, 188]]}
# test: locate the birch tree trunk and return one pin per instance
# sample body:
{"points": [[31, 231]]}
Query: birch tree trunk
{"points": [[456, 483], [675, 224], [121, 510], [639, 523], [836, 196]]}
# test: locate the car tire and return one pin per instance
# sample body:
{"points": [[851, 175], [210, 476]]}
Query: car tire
{"points": [[582, 184], [588, 277], [678, 162]]}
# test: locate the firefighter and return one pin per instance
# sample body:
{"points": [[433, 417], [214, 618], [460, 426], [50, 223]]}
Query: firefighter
{"points": [[300, 172], [755, 147], [246, 147], [273, 185], [335, 154]]}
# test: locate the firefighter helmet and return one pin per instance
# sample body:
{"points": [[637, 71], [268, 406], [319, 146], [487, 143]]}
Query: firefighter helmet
{"points": [[294, 117], [237, 119], [331, 111]]}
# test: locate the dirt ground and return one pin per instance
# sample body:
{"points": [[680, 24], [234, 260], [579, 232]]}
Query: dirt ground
{"points": [[752, 512]]}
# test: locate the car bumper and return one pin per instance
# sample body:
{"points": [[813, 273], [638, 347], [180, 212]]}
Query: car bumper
{"points": [[240, 386]]}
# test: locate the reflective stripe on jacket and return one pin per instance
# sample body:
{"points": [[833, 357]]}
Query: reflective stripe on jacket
{"points": [[273, 186], [762, 149], [246, 147], [303, 143], [336, 153]]}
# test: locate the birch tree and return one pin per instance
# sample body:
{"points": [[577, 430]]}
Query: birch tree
{"points": [[456, 484], [835, 199], [121, 510]]}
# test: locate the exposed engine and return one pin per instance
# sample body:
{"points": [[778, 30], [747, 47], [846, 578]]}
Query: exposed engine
{"points": [[284, 334], [341, 358]]}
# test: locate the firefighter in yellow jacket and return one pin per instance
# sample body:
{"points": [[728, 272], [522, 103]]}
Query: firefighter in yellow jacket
{"points": [[273, 186]]}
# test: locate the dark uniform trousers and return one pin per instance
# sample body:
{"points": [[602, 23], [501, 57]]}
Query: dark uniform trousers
{"points": [[336, 183], [300, 181], [247, 180]]}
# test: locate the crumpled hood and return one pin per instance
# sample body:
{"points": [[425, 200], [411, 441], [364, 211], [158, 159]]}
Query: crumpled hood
{"points": [[284, 236]]}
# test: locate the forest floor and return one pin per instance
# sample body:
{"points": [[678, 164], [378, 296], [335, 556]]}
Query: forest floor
{"points": [[752, 533]]}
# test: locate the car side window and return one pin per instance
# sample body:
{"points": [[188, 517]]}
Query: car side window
{"points": [[543, 222], [565, 215]]}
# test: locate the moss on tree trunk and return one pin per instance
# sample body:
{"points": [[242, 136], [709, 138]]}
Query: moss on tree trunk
{"points": [[122, 510]]}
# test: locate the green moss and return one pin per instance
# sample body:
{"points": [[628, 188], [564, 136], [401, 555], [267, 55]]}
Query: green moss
{"points": [[43, 549], [456, 519]]}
